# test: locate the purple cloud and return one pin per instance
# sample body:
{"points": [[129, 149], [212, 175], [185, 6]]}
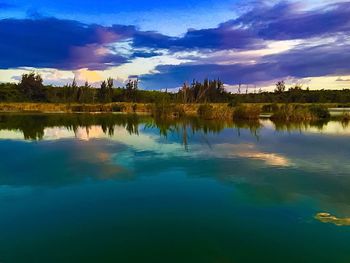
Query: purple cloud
{"points": [[67, 44], [61, 44], [220, 38], [300, 62], [283, 21]]}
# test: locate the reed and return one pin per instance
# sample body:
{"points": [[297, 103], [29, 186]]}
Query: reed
{"points": [[247, 112], [299, 112]]}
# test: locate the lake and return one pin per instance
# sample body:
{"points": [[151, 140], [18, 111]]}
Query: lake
{"points": [[127, 188]]}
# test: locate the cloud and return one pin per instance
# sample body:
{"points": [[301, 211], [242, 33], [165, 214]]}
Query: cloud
{"points": [[219, 38], [283, 21], [340, 79], [83, 75], [145, 54], [43, 42], [300, 62], [61, 44], [286, 20]]}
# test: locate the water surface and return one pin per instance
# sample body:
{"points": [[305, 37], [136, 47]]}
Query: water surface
{"points": [[122, 188]]}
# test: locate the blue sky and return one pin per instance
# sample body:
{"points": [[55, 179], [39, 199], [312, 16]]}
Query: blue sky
{"points": [[170, 17], [166, 43]]}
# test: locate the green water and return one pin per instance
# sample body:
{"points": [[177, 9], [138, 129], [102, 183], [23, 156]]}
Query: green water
{"points": [[118, 188]]}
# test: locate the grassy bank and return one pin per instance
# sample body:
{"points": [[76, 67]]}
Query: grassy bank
{"points": [[208, 111], [71, 108], [166, 110]]}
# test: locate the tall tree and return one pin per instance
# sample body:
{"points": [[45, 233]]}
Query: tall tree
{"points": [[31, 85], [102, 93], [280, 87]]}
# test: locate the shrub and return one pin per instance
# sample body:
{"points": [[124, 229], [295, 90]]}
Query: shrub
{"points": [[77, 108], [205, 111], [319, 111], [344, 105], [234, 103], [118, 107], [247, 112], [167, 111], [290, 112], [301, 112], [179, 111], [270, 108]]}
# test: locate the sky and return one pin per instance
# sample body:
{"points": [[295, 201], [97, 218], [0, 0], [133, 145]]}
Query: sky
{"points": [[166, 43]]}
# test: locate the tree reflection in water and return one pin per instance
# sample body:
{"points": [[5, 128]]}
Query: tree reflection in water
{"points": [[33, 125]]}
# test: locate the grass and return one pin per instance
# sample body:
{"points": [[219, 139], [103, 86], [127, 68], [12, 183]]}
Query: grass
{"points": [[299, 112], [214, 111], [247, 112], [69, 108], [209, 111]]}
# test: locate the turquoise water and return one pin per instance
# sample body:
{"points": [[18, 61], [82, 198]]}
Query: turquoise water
{"points": [[109, 188]]}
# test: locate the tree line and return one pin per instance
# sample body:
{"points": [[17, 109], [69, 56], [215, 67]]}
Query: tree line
{"points": [[32, 89]]}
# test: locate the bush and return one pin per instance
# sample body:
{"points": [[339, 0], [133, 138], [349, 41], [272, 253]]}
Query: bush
{"points": [[247, 112], [118, 107], [234, 103], [319, 111], [345, 105], [205, 111], [301, 112], [290, 112], [165, 110], [270, 108], [179, 111]]}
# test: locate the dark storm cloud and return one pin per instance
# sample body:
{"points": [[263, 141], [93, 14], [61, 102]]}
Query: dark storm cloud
{"points": [[145, 54], [220, 38], [55, 43]]}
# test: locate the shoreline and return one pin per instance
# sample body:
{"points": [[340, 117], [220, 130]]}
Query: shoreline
{"points": [[219, 111]]}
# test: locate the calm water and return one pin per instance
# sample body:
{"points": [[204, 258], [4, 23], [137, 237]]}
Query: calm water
{"points": [[117, 188]]}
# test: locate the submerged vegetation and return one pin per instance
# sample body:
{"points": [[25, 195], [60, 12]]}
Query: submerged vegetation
{"points": [[331, 219]]}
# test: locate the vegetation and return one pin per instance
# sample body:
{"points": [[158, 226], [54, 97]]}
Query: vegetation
{"points": [[270, 108], [209, 100], [331, 219], [243, 112], [167, 110], [205, 111], [319, 112], [299, 112], [31, 89]]}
